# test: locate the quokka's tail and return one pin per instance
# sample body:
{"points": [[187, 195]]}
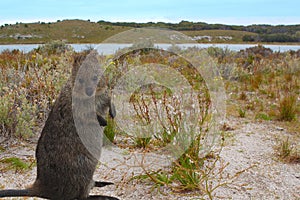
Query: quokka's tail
{"points": [[15, 193]]}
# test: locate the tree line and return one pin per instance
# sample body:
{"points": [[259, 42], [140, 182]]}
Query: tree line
{"points": [[265, 33]]}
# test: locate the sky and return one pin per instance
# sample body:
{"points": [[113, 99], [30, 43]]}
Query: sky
{"points": [[231, 12]]}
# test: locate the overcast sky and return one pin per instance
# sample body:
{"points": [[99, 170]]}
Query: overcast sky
{"points": [[235, 12]]}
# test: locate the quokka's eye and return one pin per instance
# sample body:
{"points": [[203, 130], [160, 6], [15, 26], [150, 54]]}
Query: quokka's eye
{"points": [[95, 78], [81, 80]]}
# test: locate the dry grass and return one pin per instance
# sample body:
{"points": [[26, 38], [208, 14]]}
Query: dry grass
{"points": [[288, 151], [237, 36], [71, 31]]}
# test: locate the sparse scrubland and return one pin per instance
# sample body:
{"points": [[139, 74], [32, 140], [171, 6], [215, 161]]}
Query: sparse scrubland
{"points": [[263, 100]]}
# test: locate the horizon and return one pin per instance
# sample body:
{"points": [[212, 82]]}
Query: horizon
{"points": [[142, 22], [229, 12]]}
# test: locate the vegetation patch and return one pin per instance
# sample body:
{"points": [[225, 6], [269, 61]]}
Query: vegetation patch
{"points": [[260, 84], [16, 164], [288, 151]]}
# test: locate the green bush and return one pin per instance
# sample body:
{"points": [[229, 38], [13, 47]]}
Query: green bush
{"points": [[6, 119], [54, 47], [29, 85]]}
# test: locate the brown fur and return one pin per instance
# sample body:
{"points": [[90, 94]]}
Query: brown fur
{"points": [[65, 167]]}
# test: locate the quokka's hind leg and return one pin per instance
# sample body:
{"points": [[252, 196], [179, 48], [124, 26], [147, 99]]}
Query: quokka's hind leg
{"points": [[102, 184], [101, 197]]}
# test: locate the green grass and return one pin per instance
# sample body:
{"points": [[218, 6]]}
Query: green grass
{"points": [[16, 164], [263, 116], [70, 31], [109, 132], [242, 113], [80, 31]]}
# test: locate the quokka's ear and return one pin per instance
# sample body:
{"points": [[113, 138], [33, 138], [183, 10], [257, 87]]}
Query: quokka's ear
{"points": [[78, 59]]}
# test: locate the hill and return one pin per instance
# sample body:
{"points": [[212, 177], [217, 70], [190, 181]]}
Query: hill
{"points": [[80, 31], [71, 31], [219, 36]]}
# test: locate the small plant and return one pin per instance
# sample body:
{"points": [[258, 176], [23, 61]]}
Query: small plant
{"points": [[242, 113], [263, 116], [243, 96], [142, 142], [149, 103], [26, 116], [255, 81], [6, 121], [186, 171], [287, 152], [17, 119], [287, 108], [194, 174], [109, 132]]}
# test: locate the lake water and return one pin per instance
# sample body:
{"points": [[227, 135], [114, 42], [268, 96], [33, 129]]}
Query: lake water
{"points": [[106, 49]]}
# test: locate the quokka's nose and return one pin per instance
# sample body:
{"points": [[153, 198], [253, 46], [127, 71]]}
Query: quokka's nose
{"points": [[89, 91]]}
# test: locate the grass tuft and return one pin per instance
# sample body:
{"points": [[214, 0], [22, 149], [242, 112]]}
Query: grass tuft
{"points": [[16, 164], [287, 108], [288, 152]]}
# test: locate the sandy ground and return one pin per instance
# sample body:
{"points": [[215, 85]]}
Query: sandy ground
{"points": [[248, 145]]}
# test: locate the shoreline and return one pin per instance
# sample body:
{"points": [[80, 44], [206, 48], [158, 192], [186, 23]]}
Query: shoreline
{"points": [[110, 48], [215, 43]]}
